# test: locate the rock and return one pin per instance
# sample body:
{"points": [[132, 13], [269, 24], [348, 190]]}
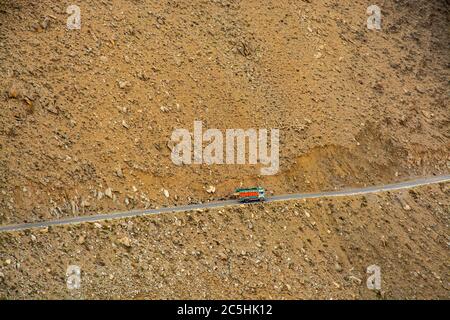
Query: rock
{"points": [[13, 92], [85, 203], [81, 240], [142, 76], [8, 262], [166, 193], [378, 87], [74, 207], [125, 241], [307, 214], [420, 89], [49, 105], [427, 114], [383, 241], [33, 238], [337, 267], [108, 193], [119, 172], [211, 189], [404, 204], [36, 27], [97, 225], [125, 124], [124, 84], [46, 23], [222, 255]]}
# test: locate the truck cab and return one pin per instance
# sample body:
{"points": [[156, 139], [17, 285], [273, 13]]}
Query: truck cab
{"points": [[251, 194]]}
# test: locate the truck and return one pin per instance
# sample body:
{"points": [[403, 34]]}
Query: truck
{"points": [[255, 194]]}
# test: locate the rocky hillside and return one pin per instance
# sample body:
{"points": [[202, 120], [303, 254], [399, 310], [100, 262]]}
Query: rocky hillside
{"points": [[287, 250], [86, 115]]}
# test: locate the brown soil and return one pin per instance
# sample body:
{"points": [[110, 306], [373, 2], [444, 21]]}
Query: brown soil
{"points": [[353, 106], [288, 250], [85, 112]]}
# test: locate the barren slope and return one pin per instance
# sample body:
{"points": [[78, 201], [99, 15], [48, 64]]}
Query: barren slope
{"points": [[300, 249], [84, 111]]}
